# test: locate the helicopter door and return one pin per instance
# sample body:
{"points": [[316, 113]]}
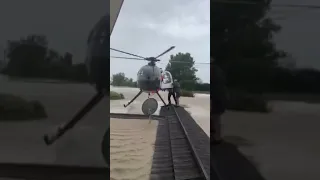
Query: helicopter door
{"points": [[167, 80]]}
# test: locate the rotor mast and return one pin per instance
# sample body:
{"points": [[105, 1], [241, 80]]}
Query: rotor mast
{"points": [[152, 61]]}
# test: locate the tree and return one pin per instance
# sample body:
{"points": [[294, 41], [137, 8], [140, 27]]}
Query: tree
{"points": [[27, 56], [67, 59], [31, 57], [26, 60], [40, 40], [52, 56], [184, 72], [118, 79], [242, 43]]}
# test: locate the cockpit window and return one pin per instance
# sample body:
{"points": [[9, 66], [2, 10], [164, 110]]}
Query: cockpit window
{"points": [[167, 78], [140, 73]]}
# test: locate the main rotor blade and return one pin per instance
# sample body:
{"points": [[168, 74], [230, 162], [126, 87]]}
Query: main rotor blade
{"points": [[126, 58], [172, 47], [127, 53], [187, 62], [203, 63]]}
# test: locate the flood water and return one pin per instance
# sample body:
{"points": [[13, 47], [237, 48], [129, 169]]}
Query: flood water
{"points": [[22, 141]]}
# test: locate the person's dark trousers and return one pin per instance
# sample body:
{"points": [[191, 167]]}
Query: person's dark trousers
{"points": [[174, 97], [177, 98]]}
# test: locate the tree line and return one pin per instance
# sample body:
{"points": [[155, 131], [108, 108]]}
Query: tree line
{"points": [[243, 46], [119, 79], [31, 57], [181, 67]]}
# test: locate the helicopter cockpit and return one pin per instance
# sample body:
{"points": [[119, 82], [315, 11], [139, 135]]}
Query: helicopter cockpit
{"points": [[167, 80]]}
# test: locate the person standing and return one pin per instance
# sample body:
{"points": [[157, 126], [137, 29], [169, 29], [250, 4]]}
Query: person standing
{"points": [[172, 92], [218, 101], [177, 91]]}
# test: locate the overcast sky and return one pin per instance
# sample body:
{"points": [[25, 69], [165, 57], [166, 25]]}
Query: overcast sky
{"points": [[300, 32], [149, 27], [66, 23]]}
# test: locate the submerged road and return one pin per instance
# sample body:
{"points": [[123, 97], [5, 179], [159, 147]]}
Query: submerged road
{"points": [[21, 142], [283, 144]]}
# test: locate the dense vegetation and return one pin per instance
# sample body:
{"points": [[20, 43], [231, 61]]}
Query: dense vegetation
{"points": [[116, 96], [243, 46], [16, 108], [31, 57]]}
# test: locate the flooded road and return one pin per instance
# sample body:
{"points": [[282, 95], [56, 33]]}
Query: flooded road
{"points": [[283, 144], [22, 142]]}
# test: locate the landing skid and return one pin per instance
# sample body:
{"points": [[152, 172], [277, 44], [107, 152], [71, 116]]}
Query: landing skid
{"points": [[161, 98], [126, 105]]}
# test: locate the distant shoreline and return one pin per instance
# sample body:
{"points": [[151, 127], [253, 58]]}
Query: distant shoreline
{"points": [[197, 92], [41, 80]]}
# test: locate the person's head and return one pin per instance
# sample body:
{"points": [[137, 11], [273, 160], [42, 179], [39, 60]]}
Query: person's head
{"points": [[175, 80]]}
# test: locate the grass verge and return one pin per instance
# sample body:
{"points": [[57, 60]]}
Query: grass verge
{"points": [[116, 96], [16, 108]]}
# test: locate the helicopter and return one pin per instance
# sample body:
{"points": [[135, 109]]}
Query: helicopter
{"points": [[150, 78]]}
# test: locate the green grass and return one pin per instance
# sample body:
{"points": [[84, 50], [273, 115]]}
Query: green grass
{"points": [[116, 96], [16, 108]]}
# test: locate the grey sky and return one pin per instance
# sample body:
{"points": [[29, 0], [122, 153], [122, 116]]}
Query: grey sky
{"points": [[148, 27], [300, 32], [65, 23]]}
